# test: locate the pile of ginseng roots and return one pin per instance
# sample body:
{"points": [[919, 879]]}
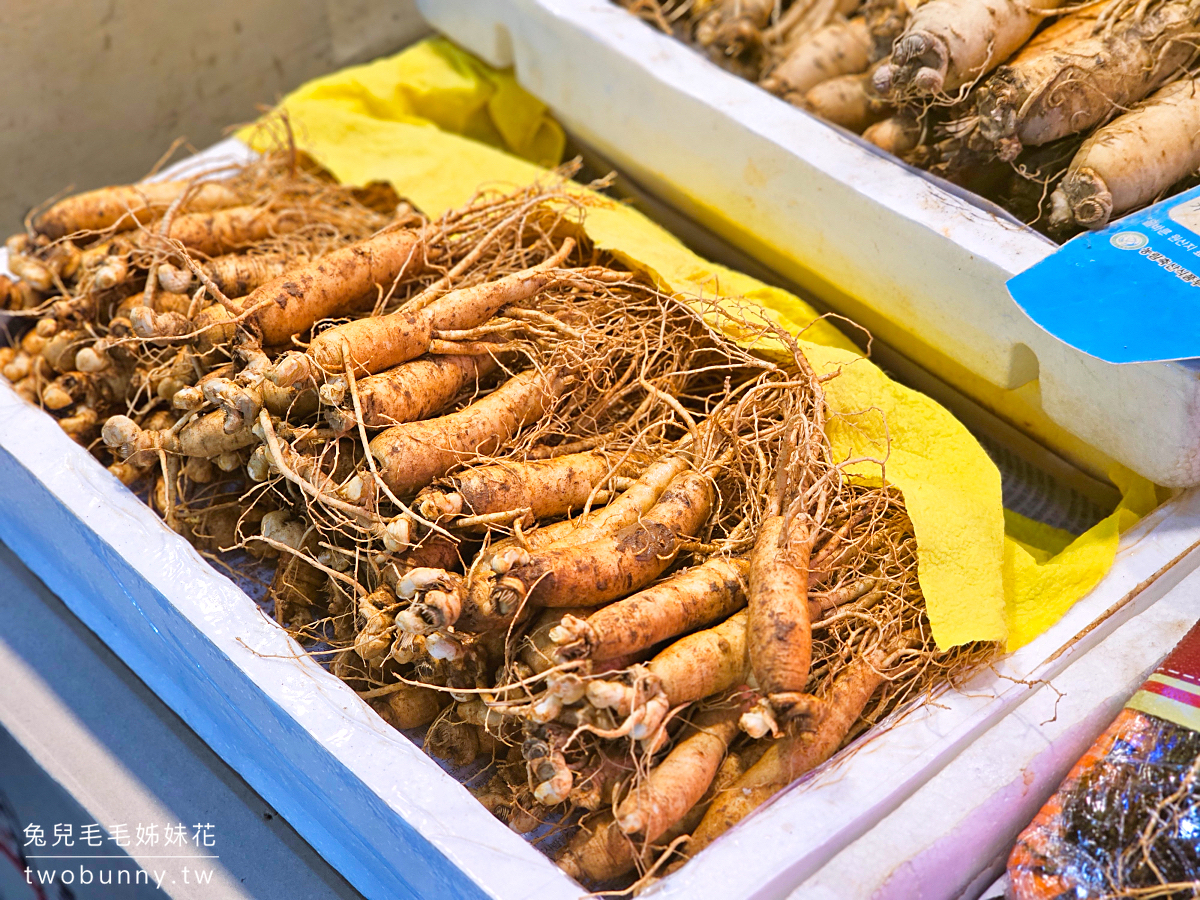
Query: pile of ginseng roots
{"points": [[1067, 114], [514, 494]]}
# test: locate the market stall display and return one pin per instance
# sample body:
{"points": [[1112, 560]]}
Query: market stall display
{"points": [[564, 345], [414, 469]]}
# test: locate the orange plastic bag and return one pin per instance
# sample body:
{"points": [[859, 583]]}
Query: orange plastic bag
{"points": [[1126, 821]]}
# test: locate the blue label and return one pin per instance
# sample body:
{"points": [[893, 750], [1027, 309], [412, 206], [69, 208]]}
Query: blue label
{"points": [[1128, 293]]}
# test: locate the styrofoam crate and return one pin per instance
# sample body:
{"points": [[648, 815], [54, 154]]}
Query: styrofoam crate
{"points": [[372, 803], [920, 265]]}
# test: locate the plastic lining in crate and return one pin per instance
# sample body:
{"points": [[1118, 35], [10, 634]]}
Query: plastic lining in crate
{"points": [[924, 267]]}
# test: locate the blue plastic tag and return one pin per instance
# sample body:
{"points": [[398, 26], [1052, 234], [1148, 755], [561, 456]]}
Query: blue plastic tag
{"points": [[1128, 293]]}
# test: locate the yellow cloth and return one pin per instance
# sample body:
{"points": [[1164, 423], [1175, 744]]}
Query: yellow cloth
{"points": [[405, 119], [1047, 569], [951, 490]]}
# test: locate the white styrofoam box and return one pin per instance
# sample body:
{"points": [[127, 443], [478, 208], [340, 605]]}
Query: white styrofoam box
{"points": [[962, 824], [914, 257], [381, 811]]}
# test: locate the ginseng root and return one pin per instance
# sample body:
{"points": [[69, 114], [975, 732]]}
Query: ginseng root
{"points": [[225, 230], [416, 390], [32, 271], [601, 851], [454, 741], [609, 568], [598, 852], [676, 784], [204, 437], [334, 284], [732, 24], [542, 488], [125, 207], [295, 591], [704, 663], [537, 647], [950, 43], [691, 599], [843, 48], [17, 295], [790, 757], [412, 455], [1131, 161], [805, 17], [410, 706], [380, 342], [1072, 79], [898, 135], [849, 101], [779, 629], [235, 275], [625, 510], [886, 21]]}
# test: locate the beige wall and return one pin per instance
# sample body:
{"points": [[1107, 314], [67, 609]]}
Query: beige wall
{"points": [[95, 90]]}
